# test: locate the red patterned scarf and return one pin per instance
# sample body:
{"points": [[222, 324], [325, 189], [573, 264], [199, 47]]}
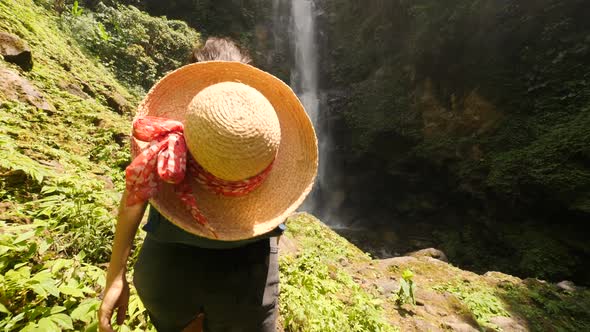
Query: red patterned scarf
{"points": [[166, 159]]}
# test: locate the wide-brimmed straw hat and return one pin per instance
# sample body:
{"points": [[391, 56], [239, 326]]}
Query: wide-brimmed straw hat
{"points": [[236, 136]]}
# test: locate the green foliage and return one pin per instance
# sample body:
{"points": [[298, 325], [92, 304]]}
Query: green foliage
{"points": [[546, 308], [380, 105], [42, 293], [11, 160], [76, 9], [59, 171], [480, 299], [78, 208], [317, 295], [138, 48], [517, 248], [229, 18], [405, 72], [552, 167], [107, 148], [407, 288]]}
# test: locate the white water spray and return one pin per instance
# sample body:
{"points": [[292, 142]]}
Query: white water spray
{"points": [[299, 16], [305, 78]]}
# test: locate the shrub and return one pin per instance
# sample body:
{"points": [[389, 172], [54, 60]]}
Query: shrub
{"points": [[138, 48]]}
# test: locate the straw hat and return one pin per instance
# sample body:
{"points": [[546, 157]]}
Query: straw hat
{"points": [[238, 120]]}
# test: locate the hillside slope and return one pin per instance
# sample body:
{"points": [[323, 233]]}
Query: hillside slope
{"points": [[318, 262], [63, 140]]}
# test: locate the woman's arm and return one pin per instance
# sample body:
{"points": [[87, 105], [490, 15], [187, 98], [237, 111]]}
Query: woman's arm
{"points": [[116, 293]]}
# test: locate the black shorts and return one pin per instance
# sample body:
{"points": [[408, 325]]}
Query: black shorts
{"points": [[237, 289]]}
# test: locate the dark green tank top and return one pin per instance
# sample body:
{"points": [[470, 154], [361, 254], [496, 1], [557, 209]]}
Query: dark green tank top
{"points": [[165, 231]]}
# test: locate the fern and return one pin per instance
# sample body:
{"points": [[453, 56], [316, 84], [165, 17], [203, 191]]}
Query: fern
{"points": [[11, 160]]}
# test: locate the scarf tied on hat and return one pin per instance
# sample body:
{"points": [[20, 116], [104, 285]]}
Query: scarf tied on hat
{"points": [[166, 159]]}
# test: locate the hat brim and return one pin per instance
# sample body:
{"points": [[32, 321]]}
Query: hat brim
{"points": [[294, 169]]}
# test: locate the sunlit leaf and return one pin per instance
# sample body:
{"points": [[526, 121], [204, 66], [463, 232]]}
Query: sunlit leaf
{"points": [[24, 236], [57, 309], [47, 325], [37, 288], [62, 320], [43, 247], [86, 311], [67, 290], [3, 309]]}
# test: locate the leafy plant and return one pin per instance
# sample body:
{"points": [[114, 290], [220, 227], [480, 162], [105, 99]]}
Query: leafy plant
{"points": [[406, 291], [542, 305], [480, 299], [12, 162], [58, 191], [137, 47], [76, 9], [316, 295], [102, 32]]}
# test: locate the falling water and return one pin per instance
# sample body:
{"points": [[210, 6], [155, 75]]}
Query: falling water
{"points": [[299, 16], [304, 78]]}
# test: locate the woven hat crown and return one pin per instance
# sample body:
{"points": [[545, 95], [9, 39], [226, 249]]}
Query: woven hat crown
{"points": [[232, 130]]}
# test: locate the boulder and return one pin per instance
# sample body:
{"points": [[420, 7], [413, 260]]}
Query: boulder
{"points": [[422, 325], [566, 286], [16, 50], [459, 327], [74, 89], [16, 87], [430, 252], [387, 287], [507, 324], [396, 261], [117, 102]]}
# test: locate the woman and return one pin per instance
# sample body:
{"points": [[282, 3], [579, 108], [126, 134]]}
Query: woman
{"points": [[223, 152]]}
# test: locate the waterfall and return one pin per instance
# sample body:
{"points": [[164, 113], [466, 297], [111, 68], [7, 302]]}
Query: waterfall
{"points": [[304, 74], [297, 20], [304, 77]]}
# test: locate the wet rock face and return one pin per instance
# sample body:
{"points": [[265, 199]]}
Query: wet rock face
{"points": [[16, 50], [475, 127], [16, 87]]}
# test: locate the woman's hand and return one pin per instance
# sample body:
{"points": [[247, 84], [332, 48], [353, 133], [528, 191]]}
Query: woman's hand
{"points": [[115, 297]]}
